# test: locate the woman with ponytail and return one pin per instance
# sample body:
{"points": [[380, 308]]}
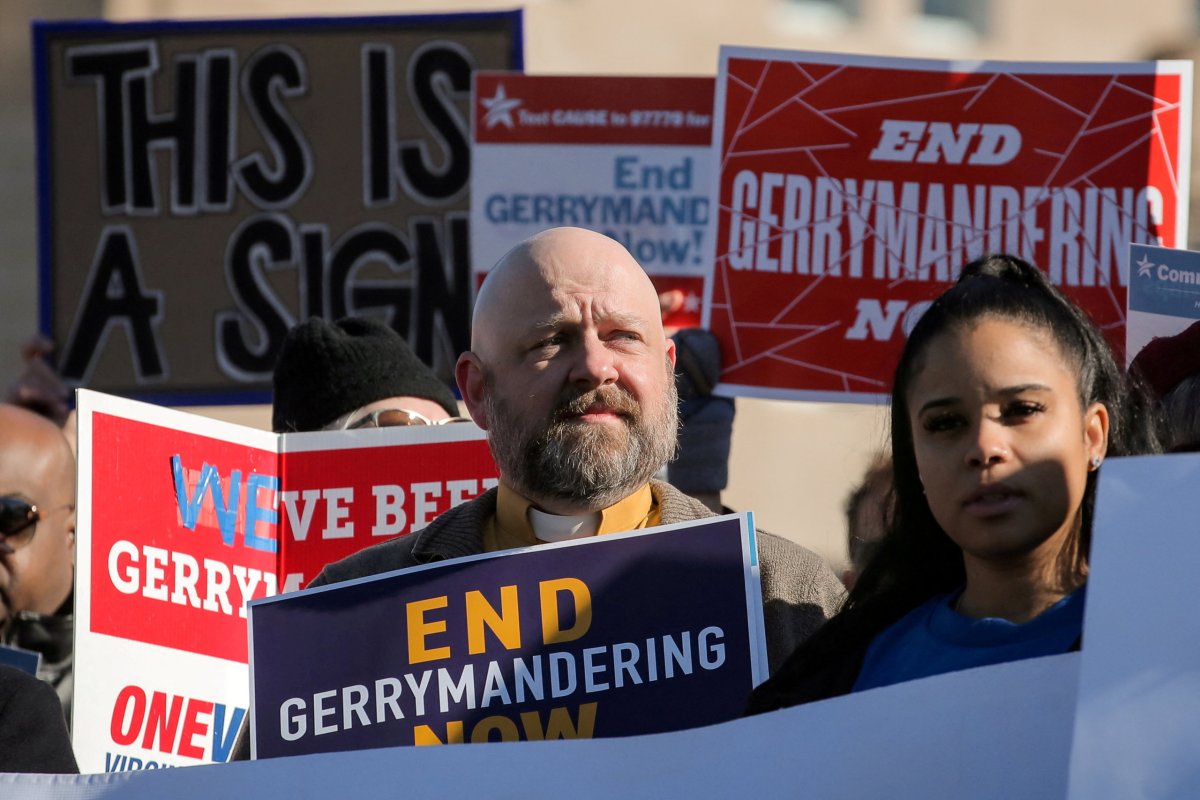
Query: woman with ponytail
{"points": [[1005, 403]]}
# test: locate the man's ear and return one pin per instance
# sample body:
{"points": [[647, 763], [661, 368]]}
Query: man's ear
{"points": [[468, 373], [71, 536], [671, 351]]}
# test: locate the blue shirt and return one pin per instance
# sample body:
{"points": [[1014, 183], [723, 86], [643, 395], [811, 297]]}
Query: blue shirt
{"points": [[933, 639]]}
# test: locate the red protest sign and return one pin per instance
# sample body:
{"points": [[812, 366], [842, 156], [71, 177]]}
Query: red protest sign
{"points": [[852, 189], [338, 500], [175, 572]]}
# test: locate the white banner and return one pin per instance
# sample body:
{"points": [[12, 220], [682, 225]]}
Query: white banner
{"points": [[996, 732], [1138, 722]]}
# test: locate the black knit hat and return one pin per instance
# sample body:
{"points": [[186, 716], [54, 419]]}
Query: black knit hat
{"points": [[327, 369]]}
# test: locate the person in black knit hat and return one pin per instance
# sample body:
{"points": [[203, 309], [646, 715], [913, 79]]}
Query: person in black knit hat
{"points": [[354, 373]]}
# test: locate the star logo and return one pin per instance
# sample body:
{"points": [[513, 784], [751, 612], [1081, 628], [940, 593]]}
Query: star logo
{"points": [[1144, 266], [499, 109], [691, 303]]}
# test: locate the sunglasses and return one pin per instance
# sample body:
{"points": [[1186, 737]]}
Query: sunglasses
{"points": [[19, 519], [394, 417]]}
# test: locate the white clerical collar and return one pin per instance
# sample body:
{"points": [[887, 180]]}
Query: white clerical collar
{"points": [[562, 528]]}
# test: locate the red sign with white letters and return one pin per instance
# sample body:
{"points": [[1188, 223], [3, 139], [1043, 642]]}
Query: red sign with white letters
{"points": [[853, 189], [513, 108], [154, 578], [337, 501]]}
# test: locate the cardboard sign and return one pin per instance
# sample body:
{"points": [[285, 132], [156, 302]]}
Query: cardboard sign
{"points": [[204, 186], [994, 733], [1164, 295], [630, 633], [1138, 714], [629, 157], [182, 520], [852, 190]]}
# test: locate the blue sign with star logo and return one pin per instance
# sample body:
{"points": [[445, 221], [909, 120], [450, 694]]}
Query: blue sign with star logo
{"points": [[1164, 281]]}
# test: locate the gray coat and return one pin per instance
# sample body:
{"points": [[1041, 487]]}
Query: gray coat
{"points": [[799, 591]]}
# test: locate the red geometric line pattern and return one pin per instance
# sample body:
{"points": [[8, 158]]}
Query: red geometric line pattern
{"points": [[810, 226]]}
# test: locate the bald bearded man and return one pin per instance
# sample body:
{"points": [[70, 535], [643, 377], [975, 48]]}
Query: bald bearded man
{"points": [[572, 376], [37, 542]]}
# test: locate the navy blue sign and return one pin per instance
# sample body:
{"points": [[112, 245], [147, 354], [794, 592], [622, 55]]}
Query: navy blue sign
{"points": [[624, 634], [19, 657]]}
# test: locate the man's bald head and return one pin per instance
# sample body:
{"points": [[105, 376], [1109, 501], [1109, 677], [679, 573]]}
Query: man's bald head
{"points": [[570, 371], [32, 443], [37, 467], [559, 261]]}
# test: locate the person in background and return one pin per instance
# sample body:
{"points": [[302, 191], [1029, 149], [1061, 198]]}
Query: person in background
{"points": [[354, 373], [701, 466], [37, 544], [1170, 368], [1005, 403], [39, 388], [33, 733], [867, 517]]}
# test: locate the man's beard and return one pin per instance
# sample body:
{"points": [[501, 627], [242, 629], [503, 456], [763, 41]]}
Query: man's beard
{"points": [[587, 464]]}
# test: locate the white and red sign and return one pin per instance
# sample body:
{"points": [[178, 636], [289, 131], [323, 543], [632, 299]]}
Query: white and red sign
{"points": [[341, 494], [852, 189], [629, 157], [183, 520]]}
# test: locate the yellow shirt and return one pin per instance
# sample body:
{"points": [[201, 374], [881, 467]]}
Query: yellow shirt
{"points": [[510, 527]]}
